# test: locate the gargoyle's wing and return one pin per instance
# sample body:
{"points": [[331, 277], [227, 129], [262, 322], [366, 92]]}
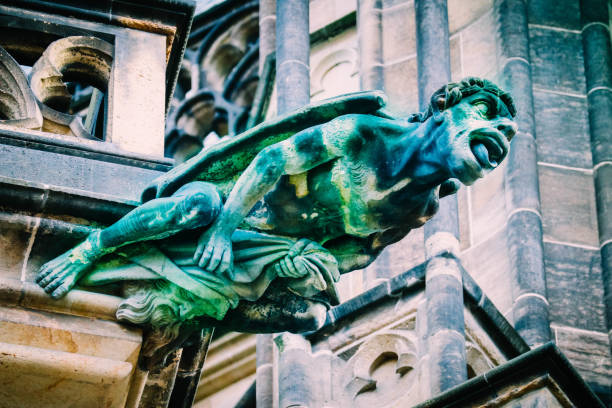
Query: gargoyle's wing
{"points": [[223, 163]]}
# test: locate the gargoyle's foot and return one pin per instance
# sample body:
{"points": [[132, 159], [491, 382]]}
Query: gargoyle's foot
{"points": [[60, 275]]}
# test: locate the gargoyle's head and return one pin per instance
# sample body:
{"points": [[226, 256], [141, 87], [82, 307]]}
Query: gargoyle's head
{"points": [[474, 125]]}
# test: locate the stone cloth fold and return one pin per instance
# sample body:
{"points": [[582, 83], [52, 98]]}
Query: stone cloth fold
{"points": [[305, 267]]}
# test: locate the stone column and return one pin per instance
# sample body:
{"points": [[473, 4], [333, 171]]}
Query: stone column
{"points": [[445, 332], [598, 71], [264, 383], [433, 64], [267, 30], [371, 76], [530, 307], [295, 371], [292, 55], [369, 29], [293, 91], [264, 376]]}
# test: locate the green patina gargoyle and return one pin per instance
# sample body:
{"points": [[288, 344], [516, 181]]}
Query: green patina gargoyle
{"points": [[252, 233]]}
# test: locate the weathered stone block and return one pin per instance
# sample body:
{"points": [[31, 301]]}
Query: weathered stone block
{"points": [[560, 13], [456, 59], [136, 112], [399, 36], [463, 217], [401, 86], [392, 3], [556, 60], [588, 351], [568, 205], [488, 205], [403, 255], [562, 130], [324, 12], [521, 174], [51, 168], [574, 287], [479, 47], [462, 13], [489, 264]]}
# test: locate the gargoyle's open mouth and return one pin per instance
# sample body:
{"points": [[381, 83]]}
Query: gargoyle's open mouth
{"points": [[488, 149]]}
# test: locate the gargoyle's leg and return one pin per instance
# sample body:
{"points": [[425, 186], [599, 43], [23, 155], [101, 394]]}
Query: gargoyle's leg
{"points": [[194, 205]]}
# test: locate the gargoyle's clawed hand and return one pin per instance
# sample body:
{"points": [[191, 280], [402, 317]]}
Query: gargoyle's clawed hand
{"points": [[60, 275], [214, 251]]}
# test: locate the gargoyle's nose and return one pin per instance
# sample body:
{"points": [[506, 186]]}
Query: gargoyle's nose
{"points": [[508, 128]]}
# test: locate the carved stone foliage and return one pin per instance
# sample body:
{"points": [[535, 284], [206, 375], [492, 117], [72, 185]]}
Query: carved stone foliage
{"points": [[69, 72], [217, 82]]}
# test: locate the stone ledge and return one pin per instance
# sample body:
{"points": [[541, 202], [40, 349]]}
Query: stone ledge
{"points": [[70, 145], [546, 363], [76, 302], [28, 196]]}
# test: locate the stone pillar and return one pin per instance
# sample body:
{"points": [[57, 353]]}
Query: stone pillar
{"points": [[264, 383], [293, 91], [445, 324], [445, 331], [295, 371], [267, 30], [292, 55], [264, 376], [598, 71], [371, 76], [530, 307], [369, 29], [433, 64]]}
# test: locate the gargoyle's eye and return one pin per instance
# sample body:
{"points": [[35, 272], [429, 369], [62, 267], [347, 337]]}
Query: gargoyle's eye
{"points": [[484, 108]]}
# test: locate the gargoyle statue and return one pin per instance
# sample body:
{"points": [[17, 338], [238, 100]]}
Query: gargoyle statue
{"points": [[252, 233]]}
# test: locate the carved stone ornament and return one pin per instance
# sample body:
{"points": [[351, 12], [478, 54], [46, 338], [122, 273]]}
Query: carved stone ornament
{"points": [[253, 232], [395, 349], [84, 59], [17, 102]]}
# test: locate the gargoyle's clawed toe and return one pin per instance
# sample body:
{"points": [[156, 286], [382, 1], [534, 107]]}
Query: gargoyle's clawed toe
{"points": [[58, 276]]}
